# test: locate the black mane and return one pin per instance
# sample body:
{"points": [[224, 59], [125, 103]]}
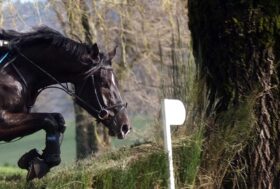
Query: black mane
{"points": [[43, 35]]}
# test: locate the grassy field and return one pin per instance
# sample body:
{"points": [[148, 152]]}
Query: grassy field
{"points": [[11, 152], [128, 166], [140, 167]]}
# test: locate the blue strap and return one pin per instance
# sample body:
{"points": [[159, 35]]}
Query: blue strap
{"points": [[3, 57]]}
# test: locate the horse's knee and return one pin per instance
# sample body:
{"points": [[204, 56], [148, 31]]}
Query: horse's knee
{"points": [[54, 122], [49, 124], [59, 118], [60, 121]]}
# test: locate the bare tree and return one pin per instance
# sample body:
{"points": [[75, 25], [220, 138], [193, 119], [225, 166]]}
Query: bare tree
{"points": [[90, 138]]}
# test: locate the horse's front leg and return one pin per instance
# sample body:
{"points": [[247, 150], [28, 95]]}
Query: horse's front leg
{"points": [[13, 125]]}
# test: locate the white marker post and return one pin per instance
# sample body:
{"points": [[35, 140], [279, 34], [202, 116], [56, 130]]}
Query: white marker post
{"points": [[173, 113]]}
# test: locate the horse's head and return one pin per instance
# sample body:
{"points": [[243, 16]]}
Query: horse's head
{"points": [[98, 93]]}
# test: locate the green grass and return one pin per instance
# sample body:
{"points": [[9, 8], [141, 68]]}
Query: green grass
{"points": [[8, 170], [141, 167]]}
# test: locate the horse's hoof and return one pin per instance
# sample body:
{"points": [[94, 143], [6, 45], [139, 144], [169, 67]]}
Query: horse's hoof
{"points": [[37, 169], [26, 159]]}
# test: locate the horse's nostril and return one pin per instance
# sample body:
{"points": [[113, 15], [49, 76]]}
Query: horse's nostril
{"points": [[124, 129]]}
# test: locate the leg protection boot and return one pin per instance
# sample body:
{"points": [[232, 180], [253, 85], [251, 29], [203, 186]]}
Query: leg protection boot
{"points": [[51, 153]]}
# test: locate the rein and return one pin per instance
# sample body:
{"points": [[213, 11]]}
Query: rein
{"points": [[4, 57], [102, 112]]}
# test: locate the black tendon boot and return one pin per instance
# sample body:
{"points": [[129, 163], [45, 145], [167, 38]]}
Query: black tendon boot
{"points": [[51, 153]]}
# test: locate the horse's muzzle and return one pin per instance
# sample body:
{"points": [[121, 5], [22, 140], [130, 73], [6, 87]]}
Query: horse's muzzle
{"points": [[125, 129], [122, 133]]}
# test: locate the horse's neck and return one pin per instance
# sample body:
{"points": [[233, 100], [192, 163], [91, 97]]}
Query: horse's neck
{"points": [[53, 64], [42, 67]]}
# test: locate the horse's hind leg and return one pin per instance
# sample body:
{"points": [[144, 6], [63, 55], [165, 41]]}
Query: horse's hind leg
{"points": [[13, 125]]}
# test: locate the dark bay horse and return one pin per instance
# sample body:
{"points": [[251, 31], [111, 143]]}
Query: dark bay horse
{"points": [[29, 63]]}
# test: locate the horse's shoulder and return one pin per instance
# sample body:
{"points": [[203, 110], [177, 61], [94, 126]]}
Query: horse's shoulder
{"points": [[10, 89]]}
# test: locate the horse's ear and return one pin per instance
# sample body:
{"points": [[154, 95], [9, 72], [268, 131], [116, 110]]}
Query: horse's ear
{"points": [[94, 50], [112, 53]]}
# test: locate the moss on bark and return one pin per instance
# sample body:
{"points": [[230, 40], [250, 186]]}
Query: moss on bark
{"points": [[236, 45]]}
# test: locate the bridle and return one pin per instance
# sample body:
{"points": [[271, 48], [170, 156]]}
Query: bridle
{"points": [[102, 112]]}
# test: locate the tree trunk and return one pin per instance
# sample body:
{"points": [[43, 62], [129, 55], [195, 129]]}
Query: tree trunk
{"points": [[236, 46], [90, 138]]}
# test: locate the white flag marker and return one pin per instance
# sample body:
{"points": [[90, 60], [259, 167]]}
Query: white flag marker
{"points": [[173, 113]]}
